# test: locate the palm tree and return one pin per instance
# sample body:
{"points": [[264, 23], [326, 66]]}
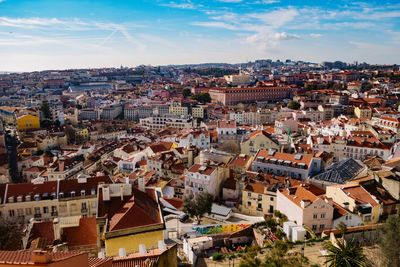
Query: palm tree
{"points": [[345, 254]]}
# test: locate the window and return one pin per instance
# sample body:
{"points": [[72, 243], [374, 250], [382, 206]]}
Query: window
{"points": [[20, 212], [249, 194], [45, 210], [37, 210], [271, 198], [315, 216], [314, 227], [28, 211], [322, 215], [249, 204], [11, 213], [321, 226], [259, 206], [84, 206]]}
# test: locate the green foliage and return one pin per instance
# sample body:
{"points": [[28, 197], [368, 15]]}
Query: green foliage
{"points": [[45, 109], [277, 257], [202, 98], [215, 72], [294, 105], [345, 253], [390, 240], [186, 92], [198, 205], [217, 256], [10, 236]]}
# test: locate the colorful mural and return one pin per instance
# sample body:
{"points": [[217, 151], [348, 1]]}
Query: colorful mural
{"points": [[219, 229]]}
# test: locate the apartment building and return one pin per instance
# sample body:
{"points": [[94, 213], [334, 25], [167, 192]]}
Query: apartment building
{"points": [[160, 122], [305, 205], [91, 114], [45, 200], [204, 177], [65, 168], [232, 96], [297, 166], [258, 140], [111, 112]]}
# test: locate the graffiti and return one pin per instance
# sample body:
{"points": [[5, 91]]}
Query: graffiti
{"points": [[219, 229]]}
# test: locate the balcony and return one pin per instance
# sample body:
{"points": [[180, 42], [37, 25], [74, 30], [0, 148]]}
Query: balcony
{"points": [[37, 216], [85, 210], [54, 213]]}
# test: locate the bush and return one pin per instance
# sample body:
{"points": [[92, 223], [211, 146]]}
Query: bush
{"points": [[217, 256]]}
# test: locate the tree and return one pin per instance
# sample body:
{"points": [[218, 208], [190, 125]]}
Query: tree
{"points": [[202, 98], [277, 257], [198, 205], [10, 236], [230, 146], [294, 105], [45, 109], [186, 93], [345, 253], [390, 240]]}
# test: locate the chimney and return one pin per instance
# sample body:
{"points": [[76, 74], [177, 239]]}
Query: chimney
{"points": [[121, 252], [41, 257], [106, 192], [142, 250], [101, 255], [161, 245], [141, 184]]}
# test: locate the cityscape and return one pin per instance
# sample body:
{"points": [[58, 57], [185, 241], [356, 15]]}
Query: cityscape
{"points": [[199, 133]]}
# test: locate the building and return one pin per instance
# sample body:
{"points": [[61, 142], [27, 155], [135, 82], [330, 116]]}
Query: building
{"points": [[238, 79], [258, 140], [232, 96], [44, 258], [111, 112], [339, 173], [65, 168], [198, 112], [204, 177], [305, 205], [91, 114], [44, 200], [297, 166], [28, 122], [260, 193], [363, 112], [117, 205], [160, 122], [178, 110], [356, 199]]}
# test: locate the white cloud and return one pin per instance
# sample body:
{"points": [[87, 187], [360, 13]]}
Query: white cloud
{"points": [[181, 5], [315, 35], [216, 24], [230, 1]]}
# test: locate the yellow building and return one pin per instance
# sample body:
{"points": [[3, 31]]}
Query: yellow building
{"points": [[356, 199], [258, 140], [128, 218], [178, 110], [28, 122], [198, 112], [363, 112]]}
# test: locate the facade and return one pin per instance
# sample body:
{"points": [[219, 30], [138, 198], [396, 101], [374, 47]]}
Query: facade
{"points": [[304, 205], [297, 166], [232, 96], [117, 205], [356, 199], [49, 200], [89, 114], [111, 112], [160, 122], [205, 178], [65, 168], [28, 122], [258, 140]]}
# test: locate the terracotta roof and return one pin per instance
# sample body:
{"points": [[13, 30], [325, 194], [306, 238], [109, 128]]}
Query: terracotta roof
{"points": [[305, 158], [358, 193], [240, 161], [44, 231], [25, 256], [98, 262], [301, 192], [82, 235], [208, 170], [139, 209]]}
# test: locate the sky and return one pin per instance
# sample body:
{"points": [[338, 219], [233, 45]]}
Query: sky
{"points": [[61, 34]]}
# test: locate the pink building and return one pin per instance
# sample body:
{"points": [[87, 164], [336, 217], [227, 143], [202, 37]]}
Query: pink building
{"points": [[232, 96], [305, 205]]}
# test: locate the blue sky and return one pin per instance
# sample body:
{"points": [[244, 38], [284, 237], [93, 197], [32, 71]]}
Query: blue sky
{"points": [[59, 34]]}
